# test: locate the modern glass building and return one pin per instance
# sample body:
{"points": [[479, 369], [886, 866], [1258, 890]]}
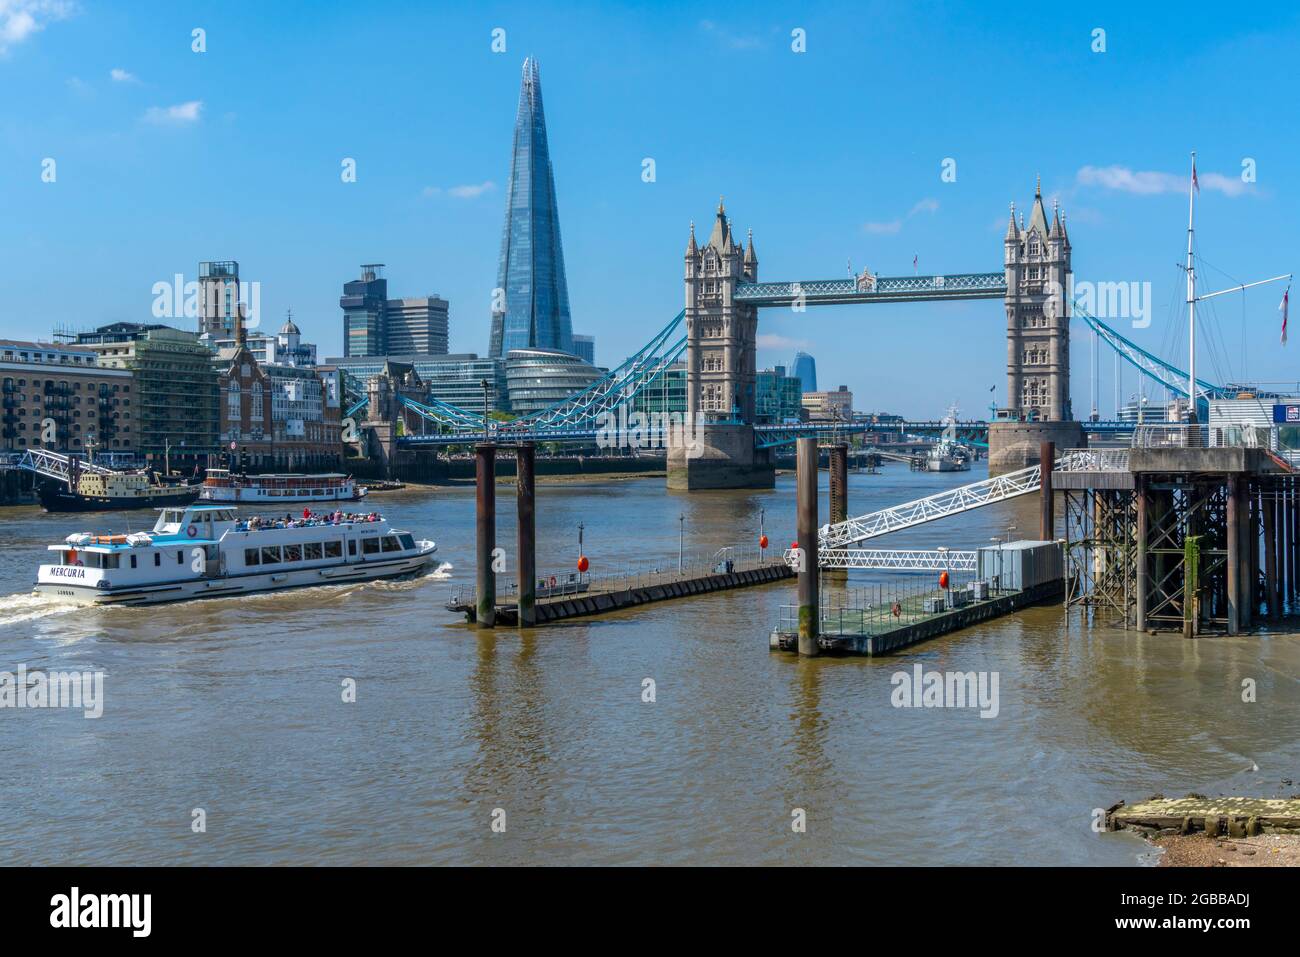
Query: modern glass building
{"points": [[537, 379], [584, 347], [530, 271], [777, 397], [666, 394], [805, 370]]}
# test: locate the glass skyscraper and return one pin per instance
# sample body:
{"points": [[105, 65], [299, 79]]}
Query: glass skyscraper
{"points": [[804, 369], [530, 272]]}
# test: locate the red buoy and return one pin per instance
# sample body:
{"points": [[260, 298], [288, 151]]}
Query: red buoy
{"points": [[794, 544], [583, 564], [762, 542], [943, 579]]}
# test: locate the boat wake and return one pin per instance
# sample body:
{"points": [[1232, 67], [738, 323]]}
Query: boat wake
{"points": [[18, 608]]}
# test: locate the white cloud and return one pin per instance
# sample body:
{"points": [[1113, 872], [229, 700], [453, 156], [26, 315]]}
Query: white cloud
{"points": [[767, 340], [728, 38], [121, 76], [892, 226], [178, 115], [1150, 183], [471, 191], [19, 19]]}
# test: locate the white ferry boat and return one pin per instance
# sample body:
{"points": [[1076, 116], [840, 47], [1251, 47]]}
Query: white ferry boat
{"points": [[222, 485], [207, 551]]}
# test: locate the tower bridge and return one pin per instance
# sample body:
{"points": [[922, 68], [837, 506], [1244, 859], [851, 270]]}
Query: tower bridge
{"points": [[724, 295]]}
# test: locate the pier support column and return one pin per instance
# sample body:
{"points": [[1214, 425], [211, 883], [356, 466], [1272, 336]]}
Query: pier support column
{"points": [[839, 497], [806, 482], [527, 542], [1047, 523], [1270, 552], [1233, 562], [1143, 583], [485, 469]]}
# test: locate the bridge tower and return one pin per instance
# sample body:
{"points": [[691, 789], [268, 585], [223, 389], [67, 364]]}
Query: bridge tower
{"points": [[1037, 262], [721, 336]]}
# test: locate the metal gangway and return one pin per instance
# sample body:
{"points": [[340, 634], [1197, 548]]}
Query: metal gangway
{"points": [[906, 560], [954, 501], [53, 465]]}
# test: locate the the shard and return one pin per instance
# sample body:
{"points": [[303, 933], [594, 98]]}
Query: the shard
{"points": [[530, 272]]}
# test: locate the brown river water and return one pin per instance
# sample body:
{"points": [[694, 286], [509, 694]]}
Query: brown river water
{"points": [[235, 706]]}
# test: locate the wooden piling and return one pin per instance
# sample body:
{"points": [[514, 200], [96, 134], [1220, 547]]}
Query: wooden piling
{"points": [[1047, 520], [525, 504], [806, 482], [486, 534]]}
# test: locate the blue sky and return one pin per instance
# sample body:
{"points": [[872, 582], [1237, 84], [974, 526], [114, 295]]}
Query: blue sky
{"points": [[166, 157]]}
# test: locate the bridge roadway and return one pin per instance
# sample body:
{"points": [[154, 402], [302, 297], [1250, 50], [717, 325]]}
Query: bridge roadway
{"points": [[765, 436]]}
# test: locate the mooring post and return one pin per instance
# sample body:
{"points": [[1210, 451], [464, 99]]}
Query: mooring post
{"points": [[1234, 555], [1142, 584], [525, 503], [1270, 551], [485, 477], [806, 503], [1286, 539], [1047, 459], [839, 496]]}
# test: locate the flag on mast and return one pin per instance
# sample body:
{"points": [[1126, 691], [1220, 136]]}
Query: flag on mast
{"points": [[913, 262], [1195, 182], [1285, 306]]}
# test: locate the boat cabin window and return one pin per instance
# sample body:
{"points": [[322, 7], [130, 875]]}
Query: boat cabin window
{"points": [[133, 561], [333, 549], [157, 559], [407, 541], [270, 554], [391, 544], [352, 546], [293, 553], [312, 551], [251, 556], [369, 546]]}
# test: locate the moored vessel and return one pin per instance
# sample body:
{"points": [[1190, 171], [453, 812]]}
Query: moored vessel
{"points": [[102, 491], [208, 551], [223, 485]]}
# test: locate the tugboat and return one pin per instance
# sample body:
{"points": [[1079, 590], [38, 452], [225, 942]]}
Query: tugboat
{"points": [[102, 490], [207, 551]]}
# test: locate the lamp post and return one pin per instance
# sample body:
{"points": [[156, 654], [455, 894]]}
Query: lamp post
{"points": [[681, 537]]}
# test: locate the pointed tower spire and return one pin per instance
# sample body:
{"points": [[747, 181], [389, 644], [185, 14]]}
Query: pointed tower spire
{"points": [[750, 255], [1056, 219], [721, 229], [691, 248], [1012, 232]]}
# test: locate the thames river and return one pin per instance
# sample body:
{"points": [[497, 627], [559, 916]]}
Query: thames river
{"points": [[236, 707]]}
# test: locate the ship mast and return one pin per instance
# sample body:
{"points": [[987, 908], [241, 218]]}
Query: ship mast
{"points": [[1193, 299], [1191, 296]]}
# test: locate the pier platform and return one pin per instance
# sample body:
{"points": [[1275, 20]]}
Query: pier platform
{"points": [[879, 631], [617, 592]]}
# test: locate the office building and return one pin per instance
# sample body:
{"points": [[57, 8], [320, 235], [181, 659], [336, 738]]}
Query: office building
{"points": [[777, 397], [455, 379], [56, 397], [584, 347], [534, 313], [374, 325], [174, 386], [804, 369], [218, 299], [834, 406], [537, 379]]}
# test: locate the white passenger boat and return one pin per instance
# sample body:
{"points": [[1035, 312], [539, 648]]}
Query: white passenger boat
{"points": [[208, 551], [222, 485]]}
